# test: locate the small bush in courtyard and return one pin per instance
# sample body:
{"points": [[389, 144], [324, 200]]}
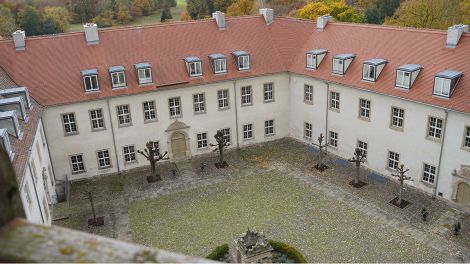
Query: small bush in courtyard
{"points": [[424, 214], [457, 227], [218, 253], [288, 250]]}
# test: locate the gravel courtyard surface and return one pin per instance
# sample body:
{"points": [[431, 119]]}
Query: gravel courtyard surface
{"points": [[271, 188]]}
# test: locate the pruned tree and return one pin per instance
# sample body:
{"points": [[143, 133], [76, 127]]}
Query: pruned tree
{"points": [[357, 159], [321, 154], [95, 221], [401, 171], [220, 146], [153, 157]]}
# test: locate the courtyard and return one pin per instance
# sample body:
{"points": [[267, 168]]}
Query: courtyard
{"points": [[272, 188]]}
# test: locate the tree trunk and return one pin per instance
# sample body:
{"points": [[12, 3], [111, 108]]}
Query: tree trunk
{"points": [[221, 155], [92, 206], [356, 179], [400, 193], [154, 170]]}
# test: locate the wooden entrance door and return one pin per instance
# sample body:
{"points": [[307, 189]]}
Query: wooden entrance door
{"points": [[463, 193], [178, 146]]}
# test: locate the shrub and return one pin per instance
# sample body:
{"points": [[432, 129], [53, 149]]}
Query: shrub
{"points": [[219, 252], [288, 250]]}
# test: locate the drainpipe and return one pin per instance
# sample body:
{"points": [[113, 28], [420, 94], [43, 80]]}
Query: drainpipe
{"points": [[49, 153], [114, 139], [35, 191], [440, 155], [326, 115], [236, 110]]}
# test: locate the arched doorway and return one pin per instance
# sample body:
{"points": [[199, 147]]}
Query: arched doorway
{"points": [[463, 193], [178, 146]]}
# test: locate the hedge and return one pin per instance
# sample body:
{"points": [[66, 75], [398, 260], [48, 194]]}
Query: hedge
{"points": [[218, 253], [288, 250]]}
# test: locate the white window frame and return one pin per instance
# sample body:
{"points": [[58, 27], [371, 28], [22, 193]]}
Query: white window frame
{"points": [[156, 148], [334, 100], [466, 137], [199, 101], [220, 65], [120, 76], [103, 157], [311, 61], [402, 80], [201, 140], [223, 99], [129, 154], [227, 135], [97, 119], [333, 139], [195, 68], [364, 108], [77, 164], [124, 115], [442, 86], [150, 112], [243, 62], [268, 92], [369, 72], [174, 107], [398, 117], [269, 127], [90, 78], [308, 93], [308, 130], [435, 127], [246, 92], [429, 173], [363, 147], [146, 77], [338, 66], [393, 160], [247, 131], [69, 122]]}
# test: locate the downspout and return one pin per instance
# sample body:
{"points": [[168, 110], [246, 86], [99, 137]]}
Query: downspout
{"points": [[35, 191], [440, 155], [49, 153], [326, 115], [236, 110], [114, 139]]}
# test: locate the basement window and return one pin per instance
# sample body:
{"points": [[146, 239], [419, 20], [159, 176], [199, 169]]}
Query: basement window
{"points": [[371, 69], [341, 63], [406, 75], [118, 76], [90, 80], [194, 66], [144, 73], [445, 82], [218, 62], [315, 57], [242, 60]]}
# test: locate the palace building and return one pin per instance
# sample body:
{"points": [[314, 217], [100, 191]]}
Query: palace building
{"points": [[79, 105]]}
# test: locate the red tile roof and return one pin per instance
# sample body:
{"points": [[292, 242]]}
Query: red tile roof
{"points": [[51, 65]]}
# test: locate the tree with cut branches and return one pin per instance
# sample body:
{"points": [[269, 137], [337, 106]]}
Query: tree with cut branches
{"points": [[357, 159], [322, 153], [153, 157], [401, 171], [220, 146]]}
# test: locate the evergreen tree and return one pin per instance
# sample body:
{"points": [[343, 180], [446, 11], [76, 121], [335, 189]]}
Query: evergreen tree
{"points": [[377, 12], [31, 21], [198, 9], [49, 27], [166, 14]]}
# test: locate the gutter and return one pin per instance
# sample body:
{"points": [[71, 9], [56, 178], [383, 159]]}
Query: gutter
{"points": [[236, 110], [440, 155], [114, 138]]}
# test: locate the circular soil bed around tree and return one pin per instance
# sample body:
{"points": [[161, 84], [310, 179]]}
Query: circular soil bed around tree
{"points": [[282, 253]]}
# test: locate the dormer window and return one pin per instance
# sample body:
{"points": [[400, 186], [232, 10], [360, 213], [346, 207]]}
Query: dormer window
{"points": [[144, 72], [445, 82], [118, 76], [90, 80], [406, 75], [194, 66], [371, 69], [242, 60], [218, 62], [341, 63], [315, 57]]}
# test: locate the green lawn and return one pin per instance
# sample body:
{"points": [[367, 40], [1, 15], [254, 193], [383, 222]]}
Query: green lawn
{"points": [[324, 230]]}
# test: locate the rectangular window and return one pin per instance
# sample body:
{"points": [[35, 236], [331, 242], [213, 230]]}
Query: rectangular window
{"points": [[243, 62], [195, 68], [308, 93], [269, 127], [129, 154], [334, 100], [124, 115], [29, 201], [246, 95], [393, 160], [118, 79], [398, 116], [311, 61], [466, 139], [362, 146], [150, 114], [199, 103], [308, 130], [268, 92], [91, 83], [226, 132], [103, 159], [435, 127], [442, 86], [70, 124], [156, 148], [220, 65], [248, 131], [174, 104], [97, 119], [403, 79], [201, 140], [333, 139], [429, 173], [222, 99], [368, 72], [76, 161], [364, 108], [338, 66], [145, 75]]}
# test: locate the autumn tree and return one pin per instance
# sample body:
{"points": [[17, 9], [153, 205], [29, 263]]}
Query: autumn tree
{"points": [[220, 147], [222, 5], [198, 9], [123, 15], [7, 22], [58, 16], [240, 8], [184, 15], [31, 21], [151, 154], [137, 8], [338, 9]]}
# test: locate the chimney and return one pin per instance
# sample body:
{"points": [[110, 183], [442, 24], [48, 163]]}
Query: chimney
{"points": [[453, 35], [91, 33], [268, 15], [322, 21], [19, 40], [219, 19]]}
